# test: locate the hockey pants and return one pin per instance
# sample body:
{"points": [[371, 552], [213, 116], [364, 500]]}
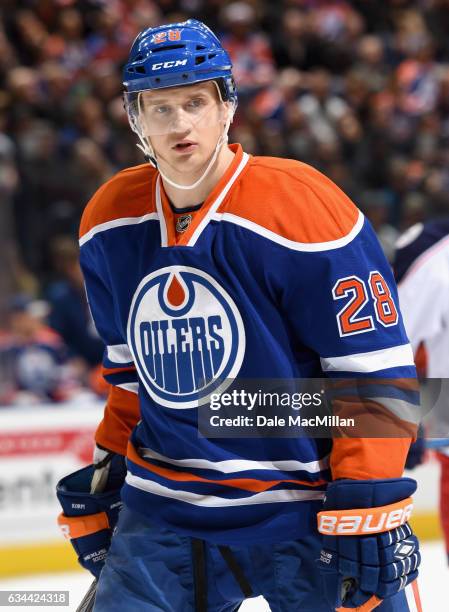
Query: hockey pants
{"points": [[150, 568]]}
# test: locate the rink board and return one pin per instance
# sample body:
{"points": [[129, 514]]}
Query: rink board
{"points": [[40, 445]]}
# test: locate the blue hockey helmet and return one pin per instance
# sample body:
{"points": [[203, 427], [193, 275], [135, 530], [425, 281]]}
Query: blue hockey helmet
{"points": [[178, 54]]}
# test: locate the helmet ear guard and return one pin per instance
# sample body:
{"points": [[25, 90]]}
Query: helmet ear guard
{"points": [[230, 104], [226, 88]]}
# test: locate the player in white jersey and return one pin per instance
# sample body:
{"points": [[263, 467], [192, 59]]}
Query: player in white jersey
{"points": [[422, 272]]}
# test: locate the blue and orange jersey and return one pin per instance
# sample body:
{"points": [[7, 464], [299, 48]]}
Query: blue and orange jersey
{"points": [[278, 275]]}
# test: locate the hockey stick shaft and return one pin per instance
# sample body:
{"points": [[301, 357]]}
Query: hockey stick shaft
{"points": [[88, 601]]}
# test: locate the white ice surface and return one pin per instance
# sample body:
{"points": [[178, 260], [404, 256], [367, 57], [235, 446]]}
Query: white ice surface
{"points": [[433, 582]]}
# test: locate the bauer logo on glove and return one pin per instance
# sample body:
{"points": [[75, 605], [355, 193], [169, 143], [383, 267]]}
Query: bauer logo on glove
{"points": [[361, 521]]}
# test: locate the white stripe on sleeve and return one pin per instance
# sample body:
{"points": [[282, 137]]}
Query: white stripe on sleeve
{"points": [[373, 361], [132, 387], [307, 247], [119, 353]]}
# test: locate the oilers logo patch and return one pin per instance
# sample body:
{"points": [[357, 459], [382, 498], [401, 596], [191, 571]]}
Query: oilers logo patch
{"points": [[185, 333]]}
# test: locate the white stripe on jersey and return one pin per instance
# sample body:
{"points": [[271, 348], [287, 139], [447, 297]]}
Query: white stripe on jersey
{"points": [[400, 408], [102, 227], [131, 387], [119, 353], [208, 216], [266, 497], [311, 247], [372, 361], [230, 466], [162, 224]]}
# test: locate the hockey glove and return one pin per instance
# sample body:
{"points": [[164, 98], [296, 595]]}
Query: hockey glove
{"points": [[88, 518], [369, 551]]}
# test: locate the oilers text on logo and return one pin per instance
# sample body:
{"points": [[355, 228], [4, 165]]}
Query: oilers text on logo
{"points": [[185, 333]]}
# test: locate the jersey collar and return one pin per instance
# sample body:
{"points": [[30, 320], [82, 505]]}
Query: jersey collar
{"points": [[210, 206]]}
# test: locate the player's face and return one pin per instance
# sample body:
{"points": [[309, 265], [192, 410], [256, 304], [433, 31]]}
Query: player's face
{"points": [[184, 124]]}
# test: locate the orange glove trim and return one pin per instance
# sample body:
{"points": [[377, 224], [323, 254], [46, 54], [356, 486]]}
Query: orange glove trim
{"points": [[78, 526]]}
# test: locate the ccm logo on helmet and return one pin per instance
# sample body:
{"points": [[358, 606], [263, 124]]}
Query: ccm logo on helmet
{"points": [[172, 64], [361, 522]]}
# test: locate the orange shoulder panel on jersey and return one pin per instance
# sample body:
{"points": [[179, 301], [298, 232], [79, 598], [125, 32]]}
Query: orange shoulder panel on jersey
{"points": [[127, 194], [121, 414], [293, 200], [366, 458]]}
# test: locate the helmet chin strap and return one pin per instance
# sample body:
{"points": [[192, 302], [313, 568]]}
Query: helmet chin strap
{"points": [[149, 152]]}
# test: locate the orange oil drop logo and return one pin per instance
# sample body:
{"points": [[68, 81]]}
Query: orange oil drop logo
{"points": [[175, 294]]}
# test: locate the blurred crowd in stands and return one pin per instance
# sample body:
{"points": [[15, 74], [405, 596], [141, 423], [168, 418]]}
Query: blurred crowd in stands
{"points": [[359, 89]]}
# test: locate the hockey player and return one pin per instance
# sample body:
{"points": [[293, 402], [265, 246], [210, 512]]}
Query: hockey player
{"points": [[207, 264], [422, 271]]}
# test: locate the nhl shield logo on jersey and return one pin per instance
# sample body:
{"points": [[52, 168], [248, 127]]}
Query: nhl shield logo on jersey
{"points": [[183, 222], [185, 333]]}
